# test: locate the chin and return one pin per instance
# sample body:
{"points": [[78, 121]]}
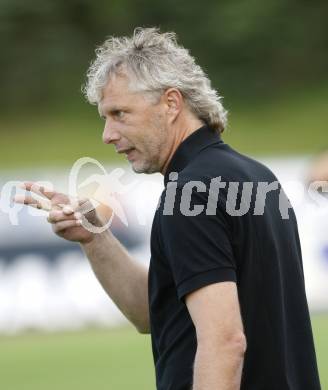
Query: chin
{"points": [[143, 168]]}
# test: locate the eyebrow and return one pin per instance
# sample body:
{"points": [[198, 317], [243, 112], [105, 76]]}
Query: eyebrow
{"points": [[111, 110]]}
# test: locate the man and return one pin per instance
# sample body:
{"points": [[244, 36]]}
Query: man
{"points": [[224, 296]]}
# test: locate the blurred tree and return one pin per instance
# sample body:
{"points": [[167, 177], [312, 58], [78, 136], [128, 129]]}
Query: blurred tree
{"points": [[248, 48]]}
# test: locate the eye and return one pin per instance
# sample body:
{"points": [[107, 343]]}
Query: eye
{"points": [[118, 114]]}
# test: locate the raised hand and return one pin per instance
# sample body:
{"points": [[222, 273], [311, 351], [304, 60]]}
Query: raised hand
{"points": [[65, 214]]}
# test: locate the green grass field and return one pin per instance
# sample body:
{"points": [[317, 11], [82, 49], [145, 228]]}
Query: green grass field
{"points": [[117, 359]]}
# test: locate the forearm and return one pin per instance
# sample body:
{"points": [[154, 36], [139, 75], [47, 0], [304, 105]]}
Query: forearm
{"points": [[218, 368], [124, 279]]}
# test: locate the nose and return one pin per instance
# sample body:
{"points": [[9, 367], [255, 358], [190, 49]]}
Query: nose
{"points": [[110, 135]]}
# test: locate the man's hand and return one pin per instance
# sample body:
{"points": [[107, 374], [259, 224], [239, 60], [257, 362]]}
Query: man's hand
{"points": [[65, 214]]}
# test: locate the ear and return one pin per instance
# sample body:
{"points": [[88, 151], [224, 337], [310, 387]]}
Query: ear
{"points": [[174, 102]]}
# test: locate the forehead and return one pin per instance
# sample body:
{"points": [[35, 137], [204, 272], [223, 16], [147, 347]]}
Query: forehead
{"points": [[118, 94]]}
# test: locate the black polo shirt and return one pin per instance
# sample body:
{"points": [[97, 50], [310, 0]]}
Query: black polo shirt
{"points": [[194, 244]]}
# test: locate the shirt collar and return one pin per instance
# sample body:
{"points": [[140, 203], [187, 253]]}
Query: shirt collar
{"points": [[190, 147]]}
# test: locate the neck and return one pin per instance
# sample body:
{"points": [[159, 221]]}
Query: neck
{"points": [[179, 134]]}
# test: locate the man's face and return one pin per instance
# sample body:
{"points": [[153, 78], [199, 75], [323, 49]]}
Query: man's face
{"points": [[135, 125]]}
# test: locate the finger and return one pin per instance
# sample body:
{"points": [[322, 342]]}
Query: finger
{"points": [[71, 207], [62, 225], [82, 205], [57, 216], [30, 201], [67, 209], [87, 205], [38, 189]]}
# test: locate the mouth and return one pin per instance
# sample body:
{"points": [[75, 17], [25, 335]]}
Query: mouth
{"points": [[126, 151]]}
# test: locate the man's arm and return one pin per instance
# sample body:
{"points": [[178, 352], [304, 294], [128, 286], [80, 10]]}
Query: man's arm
{"points": [[221, 343], [124, 279]]}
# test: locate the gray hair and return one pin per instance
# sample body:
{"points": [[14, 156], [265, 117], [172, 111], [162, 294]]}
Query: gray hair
{"points": [[156, 62]]}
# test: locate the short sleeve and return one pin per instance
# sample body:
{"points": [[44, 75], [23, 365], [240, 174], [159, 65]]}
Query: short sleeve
{"points": [[198, 246]]}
